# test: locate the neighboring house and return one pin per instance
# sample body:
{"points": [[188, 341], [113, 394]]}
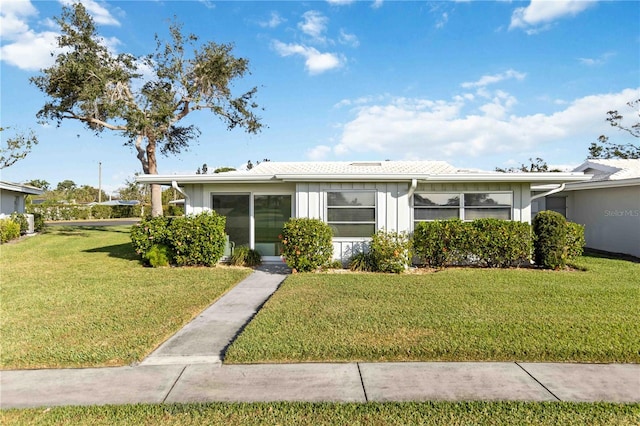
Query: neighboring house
{"points": [[608, 205], [355, 199], [12, 199]]}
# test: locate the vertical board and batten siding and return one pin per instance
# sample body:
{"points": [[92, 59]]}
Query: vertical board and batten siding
{"points": [[392, 209]]}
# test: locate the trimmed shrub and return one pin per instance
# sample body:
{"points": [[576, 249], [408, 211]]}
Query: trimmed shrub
{"points": [[149, 232], [22, 222], [197, 240], [101, 212], [306, 244], [9, 230], [158, 255], [245, 256], [440, 243], [390, 251], [550, 235], [60, 212], [498, 243]]}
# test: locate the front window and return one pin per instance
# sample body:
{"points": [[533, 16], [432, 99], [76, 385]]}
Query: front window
{"points": [[460, 205], [352, 213]]}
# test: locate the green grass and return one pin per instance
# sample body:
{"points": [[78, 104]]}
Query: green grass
{"points": [[431, 413], [451, 315], [76, 297]]}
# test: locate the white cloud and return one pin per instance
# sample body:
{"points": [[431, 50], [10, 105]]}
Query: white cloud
{"points": [[540, 13], [421, 128], [31, 50], [486, 80], [314, 24], [349, 39], [13, 17], [99, 13], [318, 153], [316, 62], [377, 4], [340, 2], [444, 18], [274, 21], [601, 60]]}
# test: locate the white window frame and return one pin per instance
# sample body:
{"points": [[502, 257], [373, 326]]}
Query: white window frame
{"points": [[461, 208], [374, 222]]}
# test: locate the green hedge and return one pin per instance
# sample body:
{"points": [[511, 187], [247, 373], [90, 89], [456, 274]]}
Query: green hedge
{"points": [[83, 212], [482, 242], [306, 244], [441, 242], [22, 222], [186, 241]]}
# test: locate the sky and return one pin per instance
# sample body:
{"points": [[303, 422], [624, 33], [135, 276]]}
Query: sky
{"points": [[478, 84]]}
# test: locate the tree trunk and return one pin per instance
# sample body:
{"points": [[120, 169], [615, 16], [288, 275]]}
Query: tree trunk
{"points": [[156, 199], [156, 189]]}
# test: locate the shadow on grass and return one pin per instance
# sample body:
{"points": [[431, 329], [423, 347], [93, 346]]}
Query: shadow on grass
{"points": [[120, 251], [83, 231], [589, 252]]}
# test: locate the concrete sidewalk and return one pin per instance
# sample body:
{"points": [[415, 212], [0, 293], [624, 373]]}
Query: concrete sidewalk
{"points": [[187, 368], [352, 382]]}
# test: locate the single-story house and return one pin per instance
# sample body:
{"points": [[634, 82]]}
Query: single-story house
{"points": [[12, 199], [355, 198], [608, 204]]}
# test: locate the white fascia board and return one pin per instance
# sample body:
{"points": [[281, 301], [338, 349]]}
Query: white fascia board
{"points": [[195, 179], [533, 178], [25, 189], [603, 184]]}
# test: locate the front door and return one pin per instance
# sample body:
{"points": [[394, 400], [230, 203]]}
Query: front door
{"points": [[235, 207], [270, 212], [266, 212]]}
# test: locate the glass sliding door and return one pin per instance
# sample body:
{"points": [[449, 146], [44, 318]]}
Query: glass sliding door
{"points": [[271, 212], [235, 207]]}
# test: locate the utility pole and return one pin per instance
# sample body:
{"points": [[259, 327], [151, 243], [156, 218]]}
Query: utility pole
{"points": [[99, 181]]}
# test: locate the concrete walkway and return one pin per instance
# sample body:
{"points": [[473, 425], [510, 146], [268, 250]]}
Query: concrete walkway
{"points": [[187, 368]]}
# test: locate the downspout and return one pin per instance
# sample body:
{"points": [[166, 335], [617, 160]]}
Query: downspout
{"points": [[187, 201], [412, 189], [545, 194]]}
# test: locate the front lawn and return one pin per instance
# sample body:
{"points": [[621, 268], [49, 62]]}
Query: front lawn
{"points": [[451, 315], [431, 413], [77, 296]]}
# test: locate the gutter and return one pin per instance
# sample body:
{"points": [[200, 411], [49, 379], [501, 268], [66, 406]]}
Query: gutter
{"points": [[553, 191], [187, 201]]}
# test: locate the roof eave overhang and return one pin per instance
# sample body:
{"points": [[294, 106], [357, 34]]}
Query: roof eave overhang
{"points": [[200, 179], [603, 184], [533, 178]]}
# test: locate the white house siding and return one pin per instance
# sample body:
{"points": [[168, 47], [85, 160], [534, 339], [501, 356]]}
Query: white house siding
{"points": [[11, 201], [392, 209], [611, 217]]}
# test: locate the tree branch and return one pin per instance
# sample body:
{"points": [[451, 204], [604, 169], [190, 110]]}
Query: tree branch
{"points": [[92, 120]]}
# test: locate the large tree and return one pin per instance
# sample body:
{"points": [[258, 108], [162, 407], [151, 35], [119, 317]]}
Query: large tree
{"points": [[104, 91], [606, 149], [15, 148]]}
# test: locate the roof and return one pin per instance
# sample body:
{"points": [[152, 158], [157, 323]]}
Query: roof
{"points": [[17, 187], [608, 173], [369, 171]]}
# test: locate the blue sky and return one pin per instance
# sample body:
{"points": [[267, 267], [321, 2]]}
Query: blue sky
{"points": [[477, 84]]}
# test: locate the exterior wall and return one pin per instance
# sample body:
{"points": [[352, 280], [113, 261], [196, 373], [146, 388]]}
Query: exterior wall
{"points": [[394, 208], [11, 201], [611, 217]]}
